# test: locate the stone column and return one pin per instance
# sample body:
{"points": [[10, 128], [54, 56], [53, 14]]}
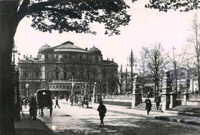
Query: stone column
{"points": [[173, 97], [166, 89], [136, 96]]}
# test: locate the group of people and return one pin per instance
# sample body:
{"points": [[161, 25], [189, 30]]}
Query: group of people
{"points": [[148, 103], [79, 100], [33, 107]]}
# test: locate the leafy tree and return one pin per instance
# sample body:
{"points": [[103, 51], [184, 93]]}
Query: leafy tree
{"points": [[181, 5], [49, 15]]}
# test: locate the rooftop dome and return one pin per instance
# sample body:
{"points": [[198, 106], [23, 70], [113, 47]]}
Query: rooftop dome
{"points": [[94, 50], [45, 49]]}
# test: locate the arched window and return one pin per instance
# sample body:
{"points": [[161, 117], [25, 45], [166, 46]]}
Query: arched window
{"points": [[46, 57], [37, 73], [65, 73], [96, 59], [57, 73], [26, 74]]}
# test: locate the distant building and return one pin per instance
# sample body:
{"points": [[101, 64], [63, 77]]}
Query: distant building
{"points": [[186, 79], [194, 86], [66, 68]]}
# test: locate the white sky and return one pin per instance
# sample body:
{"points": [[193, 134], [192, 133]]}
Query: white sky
{"points": [[146, 28]]}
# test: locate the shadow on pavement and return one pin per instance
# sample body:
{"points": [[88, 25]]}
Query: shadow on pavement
{"points": [[138, 127]]}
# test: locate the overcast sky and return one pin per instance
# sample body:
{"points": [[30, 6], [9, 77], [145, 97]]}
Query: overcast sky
{"points": [[147, 27]]}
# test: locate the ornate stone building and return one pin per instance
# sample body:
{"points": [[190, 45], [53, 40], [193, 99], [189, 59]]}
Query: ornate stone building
{"points": [[67, 68]]}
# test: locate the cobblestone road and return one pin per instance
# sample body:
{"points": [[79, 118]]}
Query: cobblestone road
{"points": [[72, 120]]}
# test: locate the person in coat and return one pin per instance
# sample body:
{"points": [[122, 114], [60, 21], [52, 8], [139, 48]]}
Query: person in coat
{"points": [[56, 103], [102, 111], [33, 108], [51, 107], [148, 105], [157, 101]]}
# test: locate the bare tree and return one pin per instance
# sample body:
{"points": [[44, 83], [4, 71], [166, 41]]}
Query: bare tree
{"points": [[155, 64], [176, 61], [122, 80], [143, 70], [195, 42]]}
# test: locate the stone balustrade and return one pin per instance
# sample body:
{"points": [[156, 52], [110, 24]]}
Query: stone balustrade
{"points": [[121, 97]]}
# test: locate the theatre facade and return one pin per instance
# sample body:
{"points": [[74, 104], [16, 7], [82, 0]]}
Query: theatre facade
{"points": [[66, 69]]}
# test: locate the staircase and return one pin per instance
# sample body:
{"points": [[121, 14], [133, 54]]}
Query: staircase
{"points": [[128, 104]]}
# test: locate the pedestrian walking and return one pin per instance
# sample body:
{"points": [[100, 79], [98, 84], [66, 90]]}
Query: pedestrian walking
{"points": [[148, 105], [71, 100], [56, 104], [33, 108], [51, 107], [157, 100], [102, 111]]}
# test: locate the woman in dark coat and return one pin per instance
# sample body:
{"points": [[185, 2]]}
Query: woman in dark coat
{"points": [[148, 105], [102, 111], [33, 108]]}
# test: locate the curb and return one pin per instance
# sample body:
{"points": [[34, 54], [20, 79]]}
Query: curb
{"points": [[165, 118], [189, 114]]}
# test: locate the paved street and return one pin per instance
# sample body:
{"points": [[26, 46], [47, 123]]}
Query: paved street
{"points": [[72, 120]]}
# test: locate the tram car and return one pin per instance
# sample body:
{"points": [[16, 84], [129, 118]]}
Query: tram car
{"points": [[44, 99]]}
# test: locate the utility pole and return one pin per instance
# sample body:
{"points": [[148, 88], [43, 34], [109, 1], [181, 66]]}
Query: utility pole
{"points": [[132, 60], [126, 80], [121, 79]]}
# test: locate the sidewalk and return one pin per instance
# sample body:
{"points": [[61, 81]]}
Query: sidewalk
{"points": [[27, 126], [171, 116]]}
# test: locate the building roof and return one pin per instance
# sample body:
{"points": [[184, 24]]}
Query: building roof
{"points": [[45, 49], [68, 47]]}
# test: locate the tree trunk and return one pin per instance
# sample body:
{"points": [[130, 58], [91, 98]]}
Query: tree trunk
{"points": [[7, 31], [198, 77]]}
